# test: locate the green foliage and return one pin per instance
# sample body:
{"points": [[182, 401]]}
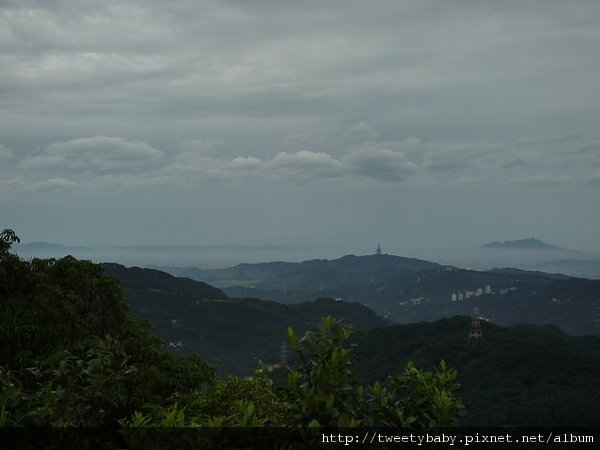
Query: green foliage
{"points": [[98, 388], [325, 389], [47, 304], [322, 389], [428, 397], [228, 401], [7, 238], [65, 390], [70, 356]]}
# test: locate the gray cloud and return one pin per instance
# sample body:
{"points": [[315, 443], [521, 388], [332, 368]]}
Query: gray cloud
{"points": [[593, 148], [5, 153], [10, 184], [53, 185], [543, 180], [521, 156], [595, 179], [150, 102], [99, 153], [470, 180], [316, 162], [361, 132], [381, 164], [19, 186], [103, 158], [304, 165], [229, 58]]}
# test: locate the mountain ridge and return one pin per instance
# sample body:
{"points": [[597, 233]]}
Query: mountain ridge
{"points": [[523, 244], [235, 334], [408, 290]]}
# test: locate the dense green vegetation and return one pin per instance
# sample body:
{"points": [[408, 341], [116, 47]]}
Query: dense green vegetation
{"points": [[69, 353], [71, 356], [523, 375]]}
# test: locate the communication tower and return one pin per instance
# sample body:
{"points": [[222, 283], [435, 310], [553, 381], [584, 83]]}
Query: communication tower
{"points": [[284, 355], [475, 332]]}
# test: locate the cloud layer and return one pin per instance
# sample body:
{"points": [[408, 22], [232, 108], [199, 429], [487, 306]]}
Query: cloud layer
{"points": [[114, 109], [533, 162], [98, 153]]}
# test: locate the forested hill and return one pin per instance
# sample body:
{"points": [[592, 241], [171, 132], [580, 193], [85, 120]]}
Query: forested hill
{"points": [[136, 278], [523, 244], [353, 263], [519, 375], [255, 273], [407, 290], [233, 334], [71, 357], [522, 375]]}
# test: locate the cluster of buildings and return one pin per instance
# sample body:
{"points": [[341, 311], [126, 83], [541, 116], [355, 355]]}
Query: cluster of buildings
{"points": [[459, 296], [413, 301]]}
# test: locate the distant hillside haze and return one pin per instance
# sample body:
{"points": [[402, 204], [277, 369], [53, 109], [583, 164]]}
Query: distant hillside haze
{"points": [[348, 263], [407, 290], [136, 278], [234, 334], [199, 262], [353, 263], [523, 244], [47, 247], [295, 275]]}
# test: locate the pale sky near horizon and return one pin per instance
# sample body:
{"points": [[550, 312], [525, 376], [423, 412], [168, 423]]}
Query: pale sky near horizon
{"points": [[330, 123]]}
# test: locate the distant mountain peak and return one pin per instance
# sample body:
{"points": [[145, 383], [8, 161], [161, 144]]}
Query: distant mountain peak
{"points": [[375, 261], [523, 244]]}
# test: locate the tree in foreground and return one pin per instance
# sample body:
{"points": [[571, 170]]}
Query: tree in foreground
{"points": [[321, 391]]}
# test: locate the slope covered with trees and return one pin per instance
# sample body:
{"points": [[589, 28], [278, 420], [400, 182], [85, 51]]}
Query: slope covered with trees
{"points": [[71, 356], [519, 375], [69, 352], [523, 375], [234, 334]]}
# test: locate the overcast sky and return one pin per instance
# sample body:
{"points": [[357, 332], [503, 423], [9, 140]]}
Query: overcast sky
{"points": [[300, 123]]}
